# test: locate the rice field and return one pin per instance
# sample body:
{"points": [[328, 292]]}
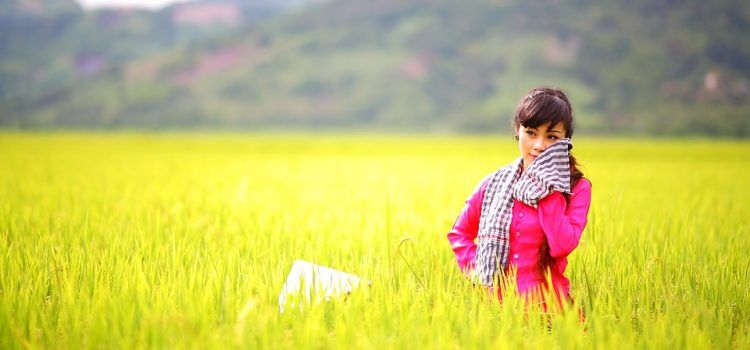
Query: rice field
{"points": [[183, 240]]}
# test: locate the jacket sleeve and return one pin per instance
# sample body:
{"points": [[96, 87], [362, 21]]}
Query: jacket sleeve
{"points": [[563, 226], [465, 229]]}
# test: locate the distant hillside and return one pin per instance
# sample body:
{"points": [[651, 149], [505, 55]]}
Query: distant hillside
{"points": [[629, 66]]}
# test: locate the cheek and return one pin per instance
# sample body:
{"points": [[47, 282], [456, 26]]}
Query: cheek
{"points": [[524, 146]]}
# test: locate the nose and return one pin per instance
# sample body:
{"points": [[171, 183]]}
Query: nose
{"points": [[539, 145]]}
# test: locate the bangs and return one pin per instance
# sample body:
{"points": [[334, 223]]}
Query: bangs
{"points": [[543, 109]]}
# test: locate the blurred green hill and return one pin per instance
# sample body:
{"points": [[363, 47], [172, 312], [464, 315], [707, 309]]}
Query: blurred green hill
{"points": [[649, 67]]}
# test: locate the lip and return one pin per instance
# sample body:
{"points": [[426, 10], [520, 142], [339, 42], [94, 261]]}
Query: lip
{"points": [[533, 156]]}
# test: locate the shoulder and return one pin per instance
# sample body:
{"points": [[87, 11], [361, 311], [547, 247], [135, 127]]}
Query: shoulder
{"points": [[482, 185], [583, 183], [582, 188], [477, 194]]}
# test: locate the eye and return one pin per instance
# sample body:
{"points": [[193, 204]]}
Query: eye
{"points": [[553, 137], [530, 132]]}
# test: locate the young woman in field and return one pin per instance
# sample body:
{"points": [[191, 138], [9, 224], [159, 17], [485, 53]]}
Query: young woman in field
{"points": [[524, 219]]}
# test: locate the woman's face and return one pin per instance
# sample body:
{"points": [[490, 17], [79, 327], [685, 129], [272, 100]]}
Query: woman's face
{"points": [[533, 141]]}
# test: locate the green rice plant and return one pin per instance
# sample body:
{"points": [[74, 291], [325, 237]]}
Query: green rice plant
{"points": [[133, 240]]}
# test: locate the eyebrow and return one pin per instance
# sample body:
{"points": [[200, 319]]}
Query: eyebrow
{"points": [[557, 131]]}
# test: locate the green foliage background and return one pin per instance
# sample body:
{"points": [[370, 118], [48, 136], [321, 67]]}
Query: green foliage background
{"points": [[635, 67]]}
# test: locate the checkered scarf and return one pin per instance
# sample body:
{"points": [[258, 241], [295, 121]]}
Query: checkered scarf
{"points": [[548, 172]]}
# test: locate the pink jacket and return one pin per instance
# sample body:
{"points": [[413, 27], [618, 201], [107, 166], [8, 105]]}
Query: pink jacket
{"points": [[561, 226]]}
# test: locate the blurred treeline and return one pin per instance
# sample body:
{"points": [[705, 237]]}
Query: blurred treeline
{"points": [[648, 67]]}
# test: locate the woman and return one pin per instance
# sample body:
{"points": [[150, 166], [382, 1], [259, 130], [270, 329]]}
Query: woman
{"points": [[528, 216]]}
